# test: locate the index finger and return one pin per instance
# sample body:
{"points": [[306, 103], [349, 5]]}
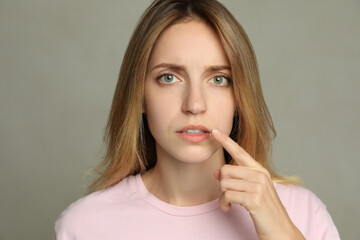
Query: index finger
{"points": [[235, 150]]}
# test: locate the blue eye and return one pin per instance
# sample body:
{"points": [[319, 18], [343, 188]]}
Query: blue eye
{"points": [[220, 80], [167, 78]]}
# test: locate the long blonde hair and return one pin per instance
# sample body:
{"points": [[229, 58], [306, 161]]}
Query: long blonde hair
{"points": [[130, 145]]}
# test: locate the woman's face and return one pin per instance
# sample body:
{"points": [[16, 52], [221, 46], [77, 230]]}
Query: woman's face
{"points": [[188, 92]]}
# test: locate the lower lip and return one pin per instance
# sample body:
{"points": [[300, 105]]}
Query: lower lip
{"points": [[194, 137]]}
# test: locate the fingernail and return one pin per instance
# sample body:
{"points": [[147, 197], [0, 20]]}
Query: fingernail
{"points": [[214, 131]]}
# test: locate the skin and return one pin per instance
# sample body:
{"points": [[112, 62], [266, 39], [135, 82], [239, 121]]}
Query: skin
{"points": [[187, 173], [192, 97], [250, 185]]}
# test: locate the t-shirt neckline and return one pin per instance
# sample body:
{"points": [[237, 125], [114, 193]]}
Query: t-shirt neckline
{"points": [[173, 209]]}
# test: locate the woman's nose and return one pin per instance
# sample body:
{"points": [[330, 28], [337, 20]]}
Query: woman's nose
{"points": [[194, 100]]}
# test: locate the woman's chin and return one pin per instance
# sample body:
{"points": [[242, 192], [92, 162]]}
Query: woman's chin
{"points": [[189, 153], [196, 156]]}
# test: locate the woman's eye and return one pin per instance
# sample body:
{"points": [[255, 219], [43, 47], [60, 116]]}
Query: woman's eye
{"points": [[167, 78], [220, 80]]}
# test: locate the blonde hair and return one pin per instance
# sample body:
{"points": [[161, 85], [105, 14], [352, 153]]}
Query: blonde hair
{"points": [[130, 145]]}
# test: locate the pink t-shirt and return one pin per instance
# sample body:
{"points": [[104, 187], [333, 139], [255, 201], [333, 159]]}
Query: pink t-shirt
{"points": [[129, 211]]}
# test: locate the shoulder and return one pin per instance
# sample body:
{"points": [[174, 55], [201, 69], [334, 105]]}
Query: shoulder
{"points": [[294, 195], [299, 201], [307, 212], [86, 212]]}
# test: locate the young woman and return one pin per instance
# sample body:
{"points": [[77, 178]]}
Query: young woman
{"points": [[189, 138]]}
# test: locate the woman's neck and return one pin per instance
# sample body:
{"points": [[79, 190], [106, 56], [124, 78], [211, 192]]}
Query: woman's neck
{"points": [[184, 184]]}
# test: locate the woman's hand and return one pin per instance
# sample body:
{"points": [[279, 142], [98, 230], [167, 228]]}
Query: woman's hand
{"points": [[250, 185]]}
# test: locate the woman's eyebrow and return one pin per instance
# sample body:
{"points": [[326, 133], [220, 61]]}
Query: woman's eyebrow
{"points": [[169, 66], [215, 68], [176, 67]]}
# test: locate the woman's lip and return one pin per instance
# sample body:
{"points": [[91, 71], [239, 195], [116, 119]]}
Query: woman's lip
{"points": [[198, 137], [194, 127]]}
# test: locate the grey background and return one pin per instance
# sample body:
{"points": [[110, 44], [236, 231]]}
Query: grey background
{"points": [[59, 62]]}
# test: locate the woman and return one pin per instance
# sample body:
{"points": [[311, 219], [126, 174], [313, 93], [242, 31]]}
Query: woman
{"points": [[189, 138]]}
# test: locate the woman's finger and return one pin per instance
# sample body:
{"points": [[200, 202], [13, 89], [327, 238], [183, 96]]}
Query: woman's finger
{"points": [[232, 184], [217, 174], [253, 174], [224, 204], [236, 152], [229, 197]]}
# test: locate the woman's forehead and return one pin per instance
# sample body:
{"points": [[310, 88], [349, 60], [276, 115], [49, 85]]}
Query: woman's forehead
{"points": [[191, 42]]}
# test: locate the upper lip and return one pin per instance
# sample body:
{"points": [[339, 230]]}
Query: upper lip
{"points": [[199, 127]]}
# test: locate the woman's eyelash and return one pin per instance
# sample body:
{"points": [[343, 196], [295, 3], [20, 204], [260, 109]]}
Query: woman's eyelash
{"points": [[162, 75], [168, 75], [215, 80], [169, 78]]}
